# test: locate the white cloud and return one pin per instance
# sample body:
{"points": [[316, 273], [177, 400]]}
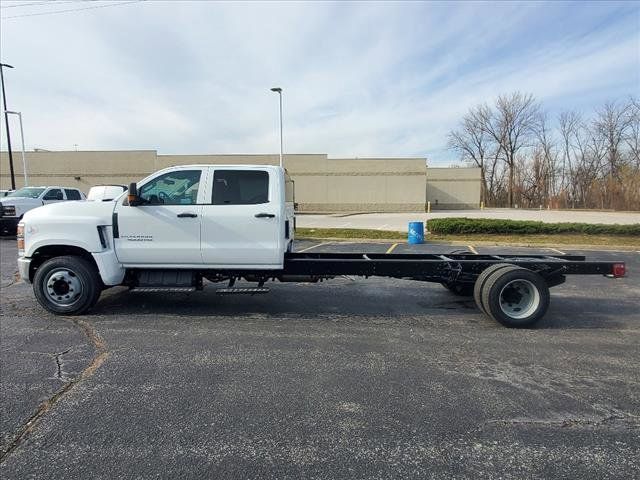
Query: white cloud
{"points": [[359, 79]]}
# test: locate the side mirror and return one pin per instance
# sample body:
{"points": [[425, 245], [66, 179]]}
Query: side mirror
{"points": [[133, 198]]}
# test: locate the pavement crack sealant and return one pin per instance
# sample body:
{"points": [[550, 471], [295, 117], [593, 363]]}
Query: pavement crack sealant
{"points": [[101, 354]]}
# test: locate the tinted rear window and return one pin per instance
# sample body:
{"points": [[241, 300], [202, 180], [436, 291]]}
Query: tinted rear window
{"points": [[240, 187], [72, 194]]}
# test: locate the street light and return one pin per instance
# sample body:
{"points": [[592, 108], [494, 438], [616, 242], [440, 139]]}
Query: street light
{"points": [[278, 90], [6, 122], [24, 160]]}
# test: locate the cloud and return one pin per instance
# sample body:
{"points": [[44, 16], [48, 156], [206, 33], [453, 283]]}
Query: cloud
{"points": [[359, 79]]}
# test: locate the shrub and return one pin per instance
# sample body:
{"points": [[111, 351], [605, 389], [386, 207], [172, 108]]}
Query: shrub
{"points": [[487, 225]]}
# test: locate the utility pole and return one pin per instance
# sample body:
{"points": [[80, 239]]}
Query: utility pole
{"points": [[278, 90], [6, 122]]}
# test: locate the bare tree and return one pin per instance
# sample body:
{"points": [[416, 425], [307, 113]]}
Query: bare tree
{"points": [[632, 139], [511, 127], [473, 144], [611, 124], [591, 162], [546, 150], [570, 126]]}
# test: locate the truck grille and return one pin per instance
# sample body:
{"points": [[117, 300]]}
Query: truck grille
{"points": [[8, 211]]}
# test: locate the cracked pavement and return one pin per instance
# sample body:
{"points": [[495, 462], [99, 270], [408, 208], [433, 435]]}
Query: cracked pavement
{"points": [[345, 379]]}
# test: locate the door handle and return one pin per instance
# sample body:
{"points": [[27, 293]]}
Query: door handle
{"points": [[264, 215], [187, 215]]}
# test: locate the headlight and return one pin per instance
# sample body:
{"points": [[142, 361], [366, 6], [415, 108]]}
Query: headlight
{"points": [[20, 238], [9, 210]]}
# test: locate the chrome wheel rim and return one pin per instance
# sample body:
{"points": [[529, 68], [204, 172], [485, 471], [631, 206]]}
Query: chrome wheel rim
{"points": [[63, 287], [519, 299]]}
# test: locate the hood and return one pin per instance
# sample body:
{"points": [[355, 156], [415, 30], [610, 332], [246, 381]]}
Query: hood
{"points": [[20, 201], [74, 211]]}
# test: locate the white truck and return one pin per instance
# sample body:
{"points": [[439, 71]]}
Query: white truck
{"points": [[14, 205], [182, 225]]}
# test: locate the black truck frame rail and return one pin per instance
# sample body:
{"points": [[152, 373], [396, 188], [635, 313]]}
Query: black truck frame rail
{"points": [[458, 267]]}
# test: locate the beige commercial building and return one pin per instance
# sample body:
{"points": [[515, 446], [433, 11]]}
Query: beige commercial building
{"points": [[322, 184], [453, 188]]}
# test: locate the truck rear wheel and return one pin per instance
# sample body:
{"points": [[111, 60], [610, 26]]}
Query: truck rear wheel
{"points": [[515, 297], [482, 279], [68, 285]]}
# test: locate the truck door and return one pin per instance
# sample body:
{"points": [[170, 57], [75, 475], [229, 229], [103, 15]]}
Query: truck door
{"points": [[242, 224], [165, 228]]}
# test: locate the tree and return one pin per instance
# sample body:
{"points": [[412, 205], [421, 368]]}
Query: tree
{"points": [[473, 144], [511, 127]]}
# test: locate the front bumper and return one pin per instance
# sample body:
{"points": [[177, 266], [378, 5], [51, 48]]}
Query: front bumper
{"points": [[9, 225], [23, 268]]}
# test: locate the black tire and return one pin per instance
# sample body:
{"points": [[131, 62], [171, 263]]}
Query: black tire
{"points": [[460, 289], [68, 285], [482, 279], [515, 297]]}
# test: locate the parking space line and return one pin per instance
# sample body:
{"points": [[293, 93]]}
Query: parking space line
{"points": [[392, 247], [556, 250], [313, 246], [472, 249]]}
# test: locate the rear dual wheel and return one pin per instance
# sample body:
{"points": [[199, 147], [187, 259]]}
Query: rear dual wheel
{"points": [[513, 296]]}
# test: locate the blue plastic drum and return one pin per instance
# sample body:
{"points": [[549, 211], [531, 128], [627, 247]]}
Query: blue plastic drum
{"points": [[416, 233]]}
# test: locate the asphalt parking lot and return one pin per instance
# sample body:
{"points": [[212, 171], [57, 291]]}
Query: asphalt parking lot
{"points": [[346, 379]]}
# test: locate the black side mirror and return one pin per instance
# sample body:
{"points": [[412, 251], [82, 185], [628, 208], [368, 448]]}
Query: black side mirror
{"points": [[133, 198]]}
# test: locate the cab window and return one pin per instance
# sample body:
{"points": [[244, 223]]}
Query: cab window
{"points": [[53, 194], [72, 194], [240, 187], [173, 188]]}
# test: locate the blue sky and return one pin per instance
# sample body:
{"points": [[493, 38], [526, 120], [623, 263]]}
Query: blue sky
{"points": [[359, 79]]}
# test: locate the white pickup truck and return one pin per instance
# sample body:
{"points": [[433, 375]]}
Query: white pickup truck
{"points": [[184, 224], [14, 205]]}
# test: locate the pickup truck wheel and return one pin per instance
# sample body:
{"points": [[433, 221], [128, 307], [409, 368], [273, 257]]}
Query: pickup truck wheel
{"points": [[67, 285], [482, 279], [460, 289], [515, 297]]}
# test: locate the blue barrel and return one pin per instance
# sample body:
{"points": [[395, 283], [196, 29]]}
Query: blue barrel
{"points": [[416, 233]]}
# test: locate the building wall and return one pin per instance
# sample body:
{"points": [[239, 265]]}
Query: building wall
{"points": [[321, 184], [453, 188]]}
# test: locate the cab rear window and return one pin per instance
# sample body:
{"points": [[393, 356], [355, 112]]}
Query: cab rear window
{"points": [[72, 194], [240, 187]]}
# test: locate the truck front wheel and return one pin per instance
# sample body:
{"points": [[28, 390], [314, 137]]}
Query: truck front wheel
{"points": [[67, 285]]}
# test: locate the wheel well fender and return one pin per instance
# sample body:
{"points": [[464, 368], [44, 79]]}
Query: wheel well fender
{"points": [[44, 253]]}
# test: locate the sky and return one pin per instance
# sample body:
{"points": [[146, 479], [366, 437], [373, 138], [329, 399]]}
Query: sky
{"points": [[359, 79]]}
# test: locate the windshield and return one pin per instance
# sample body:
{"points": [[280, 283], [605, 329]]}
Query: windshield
{"points": [[28, 192]]}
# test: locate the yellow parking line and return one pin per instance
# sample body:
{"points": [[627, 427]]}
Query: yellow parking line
{"points": [[470, 247], [392, 247], [313, 246]]}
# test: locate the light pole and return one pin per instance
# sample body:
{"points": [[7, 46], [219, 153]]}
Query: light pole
{"points": [[278, 90], [24, 158], [6, 122]]}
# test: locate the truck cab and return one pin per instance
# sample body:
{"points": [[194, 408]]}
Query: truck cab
{"points": [[213, 216], [180, 221]]}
